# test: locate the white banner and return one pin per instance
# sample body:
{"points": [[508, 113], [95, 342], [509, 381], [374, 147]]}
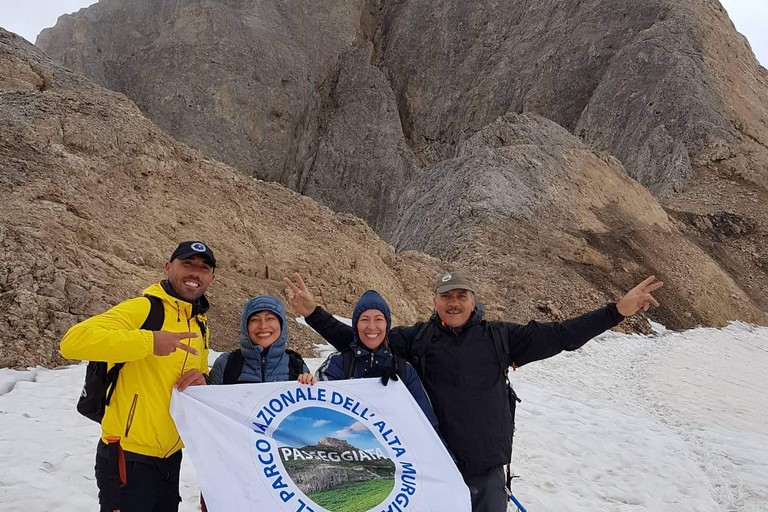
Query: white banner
{"points": [[342, 446]]}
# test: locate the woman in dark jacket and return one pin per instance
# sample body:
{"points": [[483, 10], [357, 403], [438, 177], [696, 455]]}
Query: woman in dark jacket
{"points": [[371, 321]]}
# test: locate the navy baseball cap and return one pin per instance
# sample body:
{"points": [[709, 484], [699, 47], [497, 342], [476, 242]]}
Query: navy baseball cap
{"points": [[191, 248]]}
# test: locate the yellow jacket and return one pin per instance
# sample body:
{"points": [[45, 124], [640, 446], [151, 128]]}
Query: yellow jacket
{"points": [[138, 412]]}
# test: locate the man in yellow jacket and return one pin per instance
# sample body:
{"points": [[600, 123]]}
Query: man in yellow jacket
{"points": [[140, 473]]}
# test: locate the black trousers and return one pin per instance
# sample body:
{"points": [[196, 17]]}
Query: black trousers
{"points": [[152, 483], [487, 491]]}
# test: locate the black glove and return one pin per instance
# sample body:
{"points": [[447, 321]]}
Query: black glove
{"points": [[386, 374], [389, 374]]}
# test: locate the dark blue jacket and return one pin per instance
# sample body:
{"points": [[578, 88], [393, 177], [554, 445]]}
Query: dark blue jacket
{"points": [[368, 362]]}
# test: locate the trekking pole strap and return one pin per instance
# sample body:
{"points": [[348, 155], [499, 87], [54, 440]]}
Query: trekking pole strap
{"points": [[117, 471]]}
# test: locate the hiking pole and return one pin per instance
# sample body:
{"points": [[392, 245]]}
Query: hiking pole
{"points": [[520, 507], [508, 486]]}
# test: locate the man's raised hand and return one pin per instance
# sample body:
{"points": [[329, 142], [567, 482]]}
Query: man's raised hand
{"points": [[299, 296], [166, 343], [639, 297]]}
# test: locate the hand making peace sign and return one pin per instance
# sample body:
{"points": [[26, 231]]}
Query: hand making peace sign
{"points": [[639, 297], [301, 299]]}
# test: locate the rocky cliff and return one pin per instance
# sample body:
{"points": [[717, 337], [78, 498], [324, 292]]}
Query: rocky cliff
{"points": [[559, 152], [333, 463], [283, 91], [531, 206], [363, 104], [94, 198]]}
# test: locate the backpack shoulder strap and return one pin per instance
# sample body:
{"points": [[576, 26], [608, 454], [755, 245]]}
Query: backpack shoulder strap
{"points": [[418, 346], [203, 331], [501, 352], [295, 364], [347, 362], [503, 355], [234, 367], [154, 322], [110, 378], [401, 365], [156, 317]]}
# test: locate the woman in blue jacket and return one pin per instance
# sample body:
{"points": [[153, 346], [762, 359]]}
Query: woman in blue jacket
{"points": [[371, 321], [263, 338], [262, 356]]}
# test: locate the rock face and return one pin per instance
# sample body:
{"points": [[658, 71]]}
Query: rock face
{"points": [[284, 92], [525, 203], [349, 102], [362, 162], [332, 443], [668, 88], [651, 82], [559, 152], [94, 198]]}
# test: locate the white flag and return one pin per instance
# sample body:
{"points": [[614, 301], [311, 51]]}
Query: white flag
{"points": [[341, 446]]}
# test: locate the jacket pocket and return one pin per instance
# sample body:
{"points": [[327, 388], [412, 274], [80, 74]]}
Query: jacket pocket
{"points": [[131, 413]]}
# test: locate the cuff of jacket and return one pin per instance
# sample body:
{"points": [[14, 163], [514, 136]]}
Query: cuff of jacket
{"points": [[613, 311], [314, 315], [149, 342]]}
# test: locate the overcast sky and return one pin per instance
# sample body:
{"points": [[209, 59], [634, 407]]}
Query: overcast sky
{"points": [[28, 17]]}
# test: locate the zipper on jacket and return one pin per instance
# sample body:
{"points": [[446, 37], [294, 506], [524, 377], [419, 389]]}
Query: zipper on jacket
{"points": [[129, 422], [203, 331], [263, 366], [186, 354], [367, 368], [178, 312]]}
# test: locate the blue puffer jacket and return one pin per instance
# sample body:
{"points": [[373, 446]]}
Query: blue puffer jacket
{"points": [[259, 364], [370, 362]]}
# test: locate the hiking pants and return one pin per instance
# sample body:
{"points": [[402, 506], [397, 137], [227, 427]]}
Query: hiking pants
{"points": [[487, 491], [152, 483]]}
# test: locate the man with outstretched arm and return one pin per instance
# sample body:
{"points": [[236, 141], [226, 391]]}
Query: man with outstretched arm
{"points": [[463, 359], [138, 457]]}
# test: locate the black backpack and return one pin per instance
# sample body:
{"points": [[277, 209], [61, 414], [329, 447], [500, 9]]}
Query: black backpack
{"points": [[99, 383], [234, 366], [348, 364]]}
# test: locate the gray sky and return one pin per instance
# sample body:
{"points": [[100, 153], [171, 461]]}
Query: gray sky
{"points": [[751, 19], [28, 17]]}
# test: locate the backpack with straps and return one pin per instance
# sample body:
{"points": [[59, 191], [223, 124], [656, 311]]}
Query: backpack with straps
{"points": [[234, 366], [348, 364], [100, 382]]}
